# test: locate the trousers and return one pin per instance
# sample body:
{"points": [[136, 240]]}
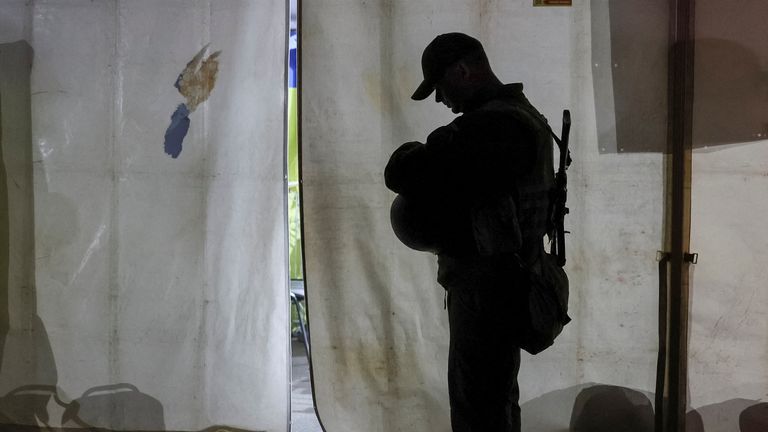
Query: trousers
{"points": [[483, 358]]}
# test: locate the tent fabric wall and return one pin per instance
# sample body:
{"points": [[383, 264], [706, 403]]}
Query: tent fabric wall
{"points": [[728, 353], [379, 331], [160, 286]]}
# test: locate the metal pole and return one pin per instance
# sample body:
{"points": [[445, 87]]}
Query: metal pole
{"points": [[680, 143]]}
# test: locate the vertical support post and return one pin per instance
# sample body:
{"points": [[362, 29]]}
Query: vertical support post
{"points": [[680, 143]]}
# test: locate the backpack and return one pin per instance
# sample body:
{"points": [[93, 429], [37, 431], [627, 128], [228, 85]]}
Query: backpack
{"points": [[546, 310]]}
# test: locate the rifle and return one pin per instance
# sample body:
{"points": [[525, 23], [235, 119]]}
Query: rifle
{"points": [[560, 193]]}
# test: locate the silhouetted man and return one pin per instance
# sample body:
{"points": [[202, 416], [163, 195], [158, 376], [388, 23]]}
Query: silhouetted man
{"points": [[477, 194]]}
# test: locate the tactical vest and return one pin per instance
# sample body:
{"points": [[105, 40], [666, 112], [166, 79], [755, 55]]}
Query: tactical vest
{"points": [[531, 193]]}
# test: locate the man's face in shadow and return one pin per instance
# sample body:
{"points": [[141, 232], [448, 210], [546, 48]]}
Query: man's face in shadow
{"points": [[454, 88]]}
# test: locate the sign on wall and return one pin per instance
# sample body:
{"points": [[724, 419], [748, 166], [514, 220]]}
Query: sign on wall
{"points": [[552, 2]]}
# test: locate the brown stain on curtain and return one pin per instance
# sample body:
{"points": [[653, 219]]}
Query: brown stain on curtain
{"points": [[372, 87], [196, 84]]}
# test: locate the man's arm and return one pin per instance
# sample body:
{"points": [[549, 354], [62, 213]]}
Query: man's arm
{"points": [[500, 150], [416, 168], [477, 154]]}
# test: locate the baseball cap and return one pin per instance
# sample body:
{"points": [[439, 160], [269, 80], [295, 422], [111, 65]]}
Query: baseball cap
{"points": [[445, 50]]}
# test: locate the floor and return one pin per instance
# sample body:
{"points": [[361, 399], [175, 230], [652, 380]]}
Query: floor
{"points": [[303, 418]]}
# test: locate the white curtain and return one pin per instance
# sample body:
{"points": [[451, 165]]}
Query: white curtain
{"points": [[158, 293], [379, 331]]}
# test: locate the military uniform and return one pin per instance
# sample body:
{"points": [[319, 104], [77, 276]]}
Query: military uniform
{"points": [[482, 185]]}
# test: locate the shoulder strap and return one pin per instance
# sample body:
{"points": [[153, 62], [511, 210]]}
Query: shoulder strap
{"points": [[524, 110]]}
